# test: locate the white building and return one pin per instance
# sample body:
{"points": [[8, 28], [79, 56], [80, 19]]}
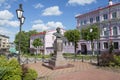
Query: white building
{"points": [[4, 43], [48, 38], [108, 20]]}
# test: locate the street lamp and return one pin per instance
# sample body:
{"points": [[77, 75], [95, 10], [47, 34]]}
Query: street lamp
{"points": [[21, 19], [91, 30], [110, 40]]}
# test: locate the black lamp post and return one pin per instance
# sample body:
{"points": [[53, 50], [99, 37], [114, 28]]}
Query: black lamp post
{"points": [[91, 30], [21, 19]]}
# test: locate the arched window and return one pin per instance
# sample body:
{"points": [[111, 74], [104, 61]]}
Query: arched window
{"points": [[115, 32], [105, 31]]}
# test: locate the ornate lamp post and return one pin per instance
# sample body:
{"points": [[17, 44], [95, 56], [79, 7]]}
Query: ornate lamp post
{"points": [[21, 18], [91, 30]]}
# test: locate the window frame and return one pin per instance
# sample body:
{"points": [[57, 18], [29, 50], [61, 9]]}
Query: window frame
{"points": [[105, 44], [105, 16], [117, 47]]}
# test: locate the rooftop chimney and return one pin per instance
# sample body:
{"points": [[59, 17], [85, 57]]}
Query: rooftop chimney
{"points": [[110, 2]]}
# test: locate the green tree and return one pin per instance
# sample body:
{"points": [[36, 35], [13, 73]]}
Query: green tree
{"points": [[91, 35], [10, 70], [73, 36], [37, 42], [25, 40]]}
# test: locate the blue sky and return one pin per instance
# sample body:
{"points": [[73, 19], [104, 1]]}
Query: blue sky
{"points": [[44, 14]]}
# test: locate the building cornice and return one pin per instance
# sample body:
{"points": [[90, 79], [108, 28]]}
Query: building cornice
{"points": [[97, 10], [4, 36]]}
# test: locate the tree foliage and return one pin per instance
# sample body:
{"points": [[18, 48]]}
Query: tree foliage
{"points": [[25, 40], [73, 36], [10, 70], [37, 42], [87, 35], [90, 36]]}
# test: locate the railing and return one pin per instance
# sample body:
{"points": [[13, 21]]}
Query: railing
{"points": [[84, 58], [69, 57]]}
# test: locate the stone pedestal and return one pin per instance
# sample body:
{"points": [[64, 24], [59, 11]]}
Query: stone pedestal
{"points": [[57, 61]]}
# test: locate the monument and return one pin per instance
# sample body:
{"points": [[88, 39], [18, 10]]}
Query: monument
{"points": [[58, 61]]}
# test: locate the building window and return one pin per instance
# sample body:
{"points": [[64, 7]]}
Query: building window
{"points": [[105, 16], [97, 19], [85, 21], [115, 31], [114, 15], [116, 45], [91, 20], [105, 45], [98, 45], [106, 33], [81, 22], [65, 43]]}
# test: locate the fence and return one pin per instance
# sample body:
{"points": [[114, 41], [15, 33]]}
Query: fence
{"points": [[82, 58]]}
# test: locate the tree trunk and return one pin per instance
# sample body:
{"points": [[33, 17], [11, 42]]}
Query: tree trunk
{"points": [[92, 46], [75, 50]]}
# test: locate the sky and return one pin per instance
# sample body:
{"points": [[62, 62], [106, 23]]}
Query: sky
{"points": [[43, 15]]}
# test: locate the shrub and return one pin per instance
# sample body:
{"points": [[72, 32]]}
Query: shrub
{"points": [[11, 70], [116, 61], [29, 74], [105, 59]]}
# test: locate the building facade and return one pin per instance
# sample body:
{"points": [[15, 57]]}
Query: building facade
{"points": [[48, 39], [108, 20], [4, 43]]}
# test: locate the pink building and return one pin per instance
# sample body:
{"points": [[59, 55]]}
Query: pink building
{"points": [[108, 19], [48, 40]]}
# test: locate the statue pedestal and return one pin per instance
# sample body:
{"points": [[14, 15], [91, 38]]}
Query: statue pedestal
{"points": [[57, 61]]}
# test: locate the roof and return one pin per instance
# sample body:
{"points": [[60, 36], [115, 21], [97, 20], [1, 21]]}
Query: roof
{"points": [[4, 36], [40, 33], [94, 11], [44, 32]]}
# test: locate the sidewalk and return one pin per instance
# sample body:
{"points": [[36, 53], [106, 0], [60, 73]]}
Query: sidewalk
{"points": [[92, 74], [80, 71]]}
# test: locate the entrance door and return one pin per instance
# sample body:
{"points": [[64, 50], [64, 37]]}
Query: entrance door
{"points": [[83, 48]]}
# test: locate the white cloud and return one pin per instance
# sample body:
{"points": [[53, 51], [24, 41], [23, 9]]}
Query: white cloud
{"points": [[6, 19], [4, 31], [7, 6], [54, 10], [39, 5], [4, 4], [6, 15], [53, 24], [13, 23], [80, 2], [37, 21], [40, 27], [9, 23], [47, 26]]}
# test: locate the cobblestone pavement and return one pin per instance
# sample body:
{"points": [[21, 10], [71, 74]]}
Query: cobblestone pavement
{"points": [[80, 71]]}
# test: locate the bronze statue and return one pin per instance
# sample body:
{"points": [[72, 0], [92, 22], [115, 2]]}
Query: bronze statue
{"points": [[59, 35]]}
